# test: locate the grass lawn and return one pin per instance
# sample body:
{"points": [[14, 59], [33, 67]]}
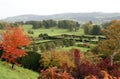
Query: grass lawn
{"points": [[17, 73], [42, 41], [80, 48], [52, 31]]}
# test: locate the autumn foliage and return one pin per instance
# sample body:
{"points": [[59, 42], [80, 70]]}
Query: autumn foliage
{"points": [[75, 63], [110, 47], [56, 58], [12, 41], [54, 73], [101, 75]]}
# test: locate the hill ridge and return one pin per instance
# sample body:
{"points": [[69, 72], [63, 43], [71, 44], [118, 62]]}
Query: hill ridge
{"points": [[96, 17]]}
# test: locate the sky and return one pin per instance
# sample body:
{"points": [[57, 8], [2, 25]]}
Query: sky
{"points": [[9, 8]]}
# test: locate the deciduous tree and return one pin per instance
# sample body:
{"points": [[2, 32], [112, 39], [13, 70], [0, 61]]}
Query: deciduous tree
{"points": [[12, 41], [111, 46], [96, 30], [87, 27]]}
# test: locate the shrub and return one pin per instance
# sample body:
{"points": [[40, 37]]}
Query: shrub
{"points": [[54, 73], [90, 77], [42, 47], [102, 75], [48, 46], [66, 43], [35, 47], [30, 61], [79, 45], [56, 58], [30, 32], [71, 42], [113, 70], [83, 69], [44, 36]]}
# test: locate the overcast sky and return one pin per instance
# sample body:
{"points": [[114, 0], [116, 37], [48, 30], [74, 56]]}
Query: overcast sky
{"points": [[10, 8]]}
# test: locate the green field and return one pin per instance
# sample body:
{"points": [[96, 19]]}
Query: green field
{"points": [[75, 47], [56, 31], [51, 31], [17, 73]]}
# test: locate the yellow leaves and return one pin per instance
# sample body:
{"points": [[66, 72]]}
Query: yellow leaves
{"points": [[112, 42], [56, 58]]}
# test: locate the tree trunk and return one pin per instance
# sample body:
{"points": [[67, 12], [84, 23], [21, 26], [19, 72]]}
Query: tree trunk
{"points": [[112, 57], [13, 65], [111, 60]]}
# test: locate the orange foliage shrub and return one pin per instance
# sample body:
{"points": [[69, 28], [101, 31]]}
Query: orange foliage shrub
{"points": [[54, 73], [90, 77], [101, 75]]}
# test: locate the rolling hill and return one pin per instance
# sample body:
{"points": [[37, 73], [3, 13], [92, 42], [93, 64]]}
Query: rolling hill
{"points": [[96, 17]]}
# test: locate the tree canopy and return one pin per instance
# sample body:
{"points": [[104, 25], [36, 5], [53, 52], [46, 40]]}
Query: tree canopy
{"points": [[111, 46], [12, 40]]}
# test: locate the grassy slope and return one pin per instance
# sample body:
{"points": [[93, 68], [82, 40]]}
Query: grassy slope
{"points": [[52, 31], [17, 73]]}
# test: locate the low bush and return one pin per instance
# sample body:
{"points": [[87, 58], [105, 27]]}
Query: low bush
{"points": [[30, 61], [113, 70], [101, 75], [54, 73], [56, 58], [83, 68]]}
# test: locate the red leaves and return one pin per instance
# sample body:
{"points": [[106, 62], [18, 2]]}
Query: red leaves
{"points": [[12, 40], [77, 57]]}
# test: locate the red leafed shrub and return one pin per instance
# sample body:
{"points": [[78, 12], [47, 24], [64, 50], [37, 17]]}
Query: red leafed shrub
{"points": [[83, 68], [54, 73], [12, 40], [113, 70], [104, 64], [76, 57]]}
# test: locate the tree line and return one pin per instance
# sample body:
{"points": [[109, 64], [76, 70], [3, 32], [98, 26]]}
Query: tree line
{"points": [[64, 24], [89, 27], [95, 29]]}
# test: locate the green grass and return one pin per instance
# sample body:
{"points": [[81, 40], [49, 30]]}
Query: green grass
{"points": [[51, 31], [17, 73], [75, 47], [41, 41]]}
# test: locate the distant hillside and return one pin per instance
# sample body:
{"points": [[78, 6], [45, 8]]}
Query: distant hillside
{"points": [[80, 17], [17, 73]]}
